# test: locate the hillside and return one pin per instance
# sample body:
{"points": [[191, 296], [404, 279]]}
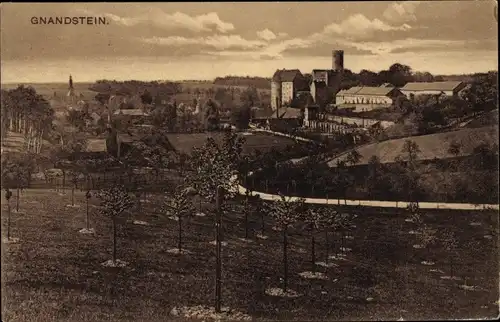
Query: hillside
{"points": [[431, 146]]}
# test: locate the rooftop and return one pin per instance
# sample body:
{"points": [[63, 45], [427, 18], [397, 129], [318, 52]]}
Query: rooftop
{"points": [[288, 113], [366, 90], [132, 112], [286, 75], [434, 86]]}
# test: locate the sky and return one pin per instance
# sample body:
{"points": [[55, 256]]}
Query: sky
{"points": [[176, 41]]}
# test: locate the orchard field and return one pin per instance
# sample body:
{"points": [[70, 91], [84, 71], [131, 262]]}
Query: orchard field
{"points": [[54, 273]]}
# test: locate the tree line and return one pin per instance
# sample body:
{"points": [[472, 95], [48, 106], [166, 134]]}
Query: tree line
{"points": [[28, 113]]}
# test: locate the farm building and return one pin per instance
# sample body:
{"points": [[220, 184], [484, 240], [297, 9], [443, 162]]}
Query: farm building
{"points": [[434, 88], [367, 98]]}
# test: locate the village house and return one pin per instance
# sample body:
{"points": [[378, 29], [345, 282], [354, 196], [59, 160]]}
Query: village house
{"points": [[364, 98], [450, 89]]}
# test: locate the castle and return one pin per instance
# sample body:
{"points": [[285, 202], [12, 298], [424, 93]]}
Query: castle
{"points": [[324, 85]]}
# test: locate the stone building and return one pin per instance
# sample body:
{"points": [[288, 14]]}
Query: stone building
{"points": [[284, 86], [326, 82]]}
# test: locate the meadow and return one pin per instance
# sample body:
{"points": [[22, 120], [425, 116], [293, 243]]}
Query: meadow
{"points": [[54, 273]]}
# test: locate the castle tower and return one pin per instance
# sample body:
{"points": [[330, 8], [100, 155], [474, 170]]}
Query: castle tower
{"points": [[338, 60]]}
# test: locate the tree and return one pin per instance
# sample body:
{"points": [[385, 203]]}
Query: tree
{"points": [[369, 78], [16, 173], [328, 221], [114, 201], [102, 98], [353, 157], [211, 115], [146, 98], [249, 97], [427, 236], [88, 195], [342, 180], [399, 74], [376, 182], [313, 218], [482, 94], [455, 149], [215, 164], [78, 119], [286, 211], [179, 205], [343, 223], [165, 116], [74, 175], [27, 112], [450, 243], [8, 195], [406, 175], [248, 204], [313, 169], [240, 117], [485, 157]]}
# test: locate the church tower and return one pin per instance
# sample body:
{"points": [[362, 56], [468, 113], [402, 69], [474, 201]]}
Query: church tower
{"points": [[71, 96]]}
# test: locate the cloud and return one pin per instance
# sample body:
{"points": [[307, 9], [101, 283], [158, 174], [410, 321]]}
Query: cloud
{"points": [[358, 25], [219, 42], [268, 35], [204, 22], [404, 45], [399, 12]]}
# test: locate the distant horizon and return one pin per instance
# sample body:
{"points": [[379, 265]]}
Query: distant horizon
{"points": [[147, 71], [75, 81]]}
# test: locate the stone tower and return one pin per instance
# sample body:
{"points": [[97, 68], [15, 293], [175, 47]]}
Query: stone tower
{"points": [[338, 60]]}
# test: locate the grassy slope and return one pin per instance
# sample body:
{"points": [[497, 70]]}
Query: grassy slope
{"points": [[55, 273], [431, 146]]}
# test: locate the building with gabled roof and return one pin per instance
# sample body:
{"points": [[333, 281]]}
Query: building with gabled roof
{"points": [[449, 88], [366, 98]]}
